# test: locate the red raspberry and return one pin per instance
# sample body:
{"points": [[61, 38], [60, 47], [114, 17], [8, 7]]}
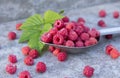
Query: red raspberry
{"points": [[101, 23], [79, 44], [12, 58], [65, 19], [62, 56], [94, 33], [63, 32], [88, 71], [69, 43], [86, 29], [11, 69], [53, 31], [34, 53], [70, 25], [81, 20], [28, 60], [51, 48], [56, 51], [18, 26], [47, 37], [108, 49], [58, 39], [79, 29], [84, 36], [24, 74], [73, 35], [102, 13], [109, 36], [91, 41], [116, 14], [11, 35], [59, 24], [26, 50], [40, 67], [114, 53]]}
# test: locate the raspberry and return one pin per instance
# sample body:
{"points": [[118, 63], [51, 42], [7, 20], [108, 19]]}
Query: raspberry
{"points": [[26, 50], [108, 49], [24, 74], [47, 37], [79, 29], [114, 53], [101, 23], [40, 67], [34, 53], [86, 29], [81, 20], [108, 36], [73, 35], [56, 51], [69, 43], [88, 71], [59, 24], [70, 25], [84, 36], [62, 56], [79, 44], [51, 48], [116, 14], [94, 33], [63, 32], [65, 19], [18, 26], [53, 31], [91, 41], [28, 61], [58, 39], [11, 35], [12, 58], [11, 69], [102, 13]]}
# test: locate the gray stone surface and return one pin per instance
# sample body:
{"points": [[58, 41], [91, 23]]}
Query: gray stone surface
{"points": [[19, 9], [105, 67]]}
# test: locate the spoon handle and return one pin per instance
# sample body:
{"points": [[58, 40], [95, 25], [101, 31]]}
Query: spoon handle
{"points": [[106, 31]]}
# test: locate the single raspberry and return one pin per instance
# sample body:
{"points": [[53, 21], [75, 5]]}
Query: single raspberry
{"points": [[12, 58], [101, 23], [69, 43], [18, 26], [24, 74], [63, 32], [56, 51], [108, 49], [11, 35], [114, 53], [84, 36], [59, 24], [53, 31], [102, 13], [81, 20], [65, 19], [58, 39], [40, 67], [62, 56], [26, 50], [109, 36], [79, 44], [34, 53], [47, 37], [11, 69], [28, 60], [79, 29], [86, 29], [88, 71], [91, 41], [70, 25], [73, 35], [116, 14], [94, 33], [51, 48]]}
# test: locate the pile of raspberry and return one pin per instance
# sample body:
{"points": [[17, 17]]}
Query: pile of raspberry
{"points": [[71, 33]]}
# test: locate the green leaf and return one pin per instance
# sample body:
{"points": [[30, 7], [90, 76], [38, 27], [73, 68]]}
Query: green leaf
{"points": [[51, 16], [46, 28]]}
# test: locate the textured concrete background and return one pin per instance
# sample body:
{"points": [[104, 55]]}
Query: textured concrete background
{"points": [[18, 9]]}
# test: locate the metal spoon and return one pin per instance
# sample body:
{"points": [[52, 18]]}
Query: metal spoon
{"points": [[105, 31]]}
